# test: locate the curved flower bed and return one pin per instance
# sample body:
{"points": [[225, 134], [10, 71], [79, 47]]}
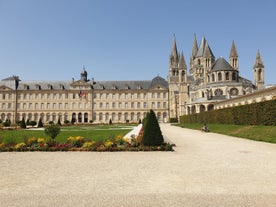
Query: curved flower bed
{"points": [[78, 143]]}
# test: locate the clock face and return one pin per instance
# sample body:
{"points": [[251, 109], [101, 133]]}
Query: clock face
{"points": [[218, 92]]}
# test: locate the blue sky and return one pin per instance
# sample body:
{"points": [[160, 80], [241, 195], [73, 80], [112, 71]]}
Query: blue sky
{"points": [[129, 39]]}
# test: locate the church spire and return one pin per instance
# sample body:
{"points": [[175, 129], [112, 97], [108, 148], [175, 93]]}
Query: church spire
{"points": [[233, 56], [195, 47], [259, 72], [233, 51], [258, 61], [182, 62], [174, 57]]}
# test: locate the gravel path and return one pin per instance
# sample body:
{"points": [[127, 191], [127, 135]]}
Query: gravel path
{"points": [[206, 169]]}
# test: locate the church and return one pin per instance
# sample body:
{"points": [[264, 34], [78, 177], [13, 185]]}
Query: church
{"points": [[209, 81]]}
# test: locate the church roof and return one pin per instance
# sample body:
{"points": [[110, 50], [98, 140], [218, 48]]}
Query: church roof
{"points": [[233, 52], [221, 64], [258, 62], [204, 47]]}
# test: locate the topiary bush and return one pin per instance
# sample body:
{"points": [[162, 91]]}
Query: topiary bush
{"points": [[52, 131], [152, 135], [40, 124], [23, 123]]}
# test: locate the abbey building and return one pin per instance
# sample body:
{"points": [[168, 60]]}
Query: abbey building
{"points": [[210, 81]]}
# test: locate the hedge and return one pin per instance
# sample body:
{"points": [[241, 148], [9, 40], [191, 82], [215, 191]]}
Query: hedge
{"points": [[262, 113]]}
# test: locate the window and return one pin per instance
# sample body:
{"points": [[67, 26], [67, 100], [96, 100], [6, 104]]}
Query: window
{"points": [[60, 105], [9, 105], [73, 105], [66, 106], [18, 105], [54, 105], [158, 95], [113, 105], [66, 96], [60, 96], [138, 95], [86, 105], [153, 105], [36, 105], [158, 105], [42, 96], [126, 96], [42, 105], [218, 92], [3, 106], [152, 95], [126, 105], [132, 105], [24, 96], [30, 96], [138, 105], [145, 95], [24, 106], [132, 96], [219, 77], [164, 105], [30, 105], [107, 105], [54, 96], [94, 106], [120, 105], [101, 105], [48, 96], [120, 96], [113, 96], [19, 96], [145, 105], [80, 106], [227, 75]]}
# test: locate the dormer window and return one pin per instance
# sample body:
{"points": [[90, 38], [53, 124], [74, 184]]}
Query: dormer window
{"points": [[127, 87], [139, 87], [102, 87], [114, 87], [38, 87], [61, 86], [26, 87], [50, 87]]}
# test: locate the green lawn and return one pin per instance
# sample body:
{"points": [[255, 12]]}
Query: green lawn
{"points": [[258, 133], [95, 133]]}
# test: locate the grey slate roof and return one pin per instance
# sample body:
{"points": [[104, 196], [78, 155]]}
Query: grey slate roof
{"points": [[221, 64], [57, 85]]}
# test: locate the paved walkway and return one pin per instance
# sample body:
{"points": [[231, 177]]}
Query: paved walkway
{"points": [[206, 169]]}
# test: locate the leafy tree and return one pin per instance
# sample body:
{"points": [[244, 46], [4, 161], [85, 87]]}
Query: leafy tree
{"points": [[152, 135], [52, 130], [40, 124], [59, 123], [23, 123], [110, 121]]}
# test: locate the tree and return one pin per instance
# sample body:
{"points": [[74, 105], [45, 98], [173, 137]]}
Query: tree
{"points": [[110, 122], [152, 135], [23, 123], [59, 123], [40, 124], [52, 130]]}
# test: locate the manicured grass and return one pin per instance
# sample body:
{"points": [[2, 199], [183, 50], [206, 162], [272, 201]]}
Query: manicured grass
{"points": [[95, 133], [258, 133]]}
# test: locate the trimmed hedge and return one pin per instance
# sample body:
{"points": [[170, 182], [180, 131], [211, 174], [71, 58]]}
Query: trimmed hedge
{"points": [[262, 113]]}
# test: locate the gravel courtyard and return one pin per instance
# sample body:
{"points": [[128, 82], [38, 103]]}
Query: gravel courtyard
{"points": [[205, 169]]}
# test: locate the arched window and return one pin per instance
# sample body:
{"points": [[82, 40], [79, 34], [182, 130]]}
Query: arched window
{"points": [[227, 76], [213, 77], [219, 76], [234, 92], [233, 76], [259, 75]]}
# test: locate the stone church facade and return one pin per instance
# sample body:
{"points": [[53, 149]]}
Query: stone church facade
{"points": [[210, 81]]}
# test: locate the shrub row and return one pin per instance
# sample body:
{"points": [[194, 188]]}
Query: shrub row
{"points": [[262, 113]]}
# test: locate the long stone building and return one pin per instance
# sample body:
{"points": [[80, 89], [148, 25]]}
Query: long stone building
{"points": [[210, 81], [83, 101]]}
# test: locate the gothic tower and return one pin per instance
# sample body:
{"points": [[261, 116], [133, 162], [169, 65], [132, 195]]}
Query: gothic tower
{"points": [[259, 72], [173, 80], [183, 86], [233, 57]]}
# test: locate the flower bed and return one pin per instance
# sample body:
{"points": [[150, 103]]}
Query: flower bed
{"points": [[78, 143]]}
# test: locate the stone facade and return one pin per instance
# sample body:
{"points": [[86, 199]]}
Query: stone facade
{"points": [[83, 100], [211, 84], [210, 80]]}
